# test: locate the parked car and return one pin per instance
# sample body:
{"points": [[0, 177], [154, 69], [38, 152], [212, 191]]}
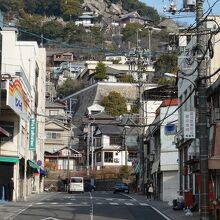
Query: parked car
{"points": [[88, 187], [121, 187]]}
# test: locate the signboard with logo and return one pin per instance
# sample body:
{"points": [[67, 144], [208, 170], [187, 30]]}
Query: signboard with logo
{"points": [[17, 99], [189, 125], [32, 134]]}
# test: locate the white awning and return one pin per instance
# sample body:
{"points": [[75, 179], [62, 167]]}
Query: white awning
{"points": [[155, 166]]}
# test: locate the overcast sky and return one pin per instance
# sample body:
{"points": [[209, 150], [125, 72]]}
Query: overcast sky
{"points": [[181, 17]]}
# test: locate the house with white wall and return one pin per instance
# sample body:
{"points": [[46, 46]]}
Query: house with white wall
{"points": [[114, 146]]}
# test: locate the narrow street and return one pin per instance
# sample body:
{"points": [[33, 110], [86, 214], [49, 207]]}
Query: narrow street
{"points": [[88, 206]]}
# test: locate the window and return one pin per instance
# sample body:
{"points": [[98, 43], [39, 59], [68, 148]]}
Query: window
{"points": [[98, 157], [132, 156], [53, 135], [54, 112], [115, 140], [9, 127], [98, 141], [108, 157]]}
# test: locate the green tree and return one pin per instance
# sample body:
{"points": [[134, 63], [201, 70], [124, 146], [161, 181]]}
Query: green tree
{"points": [[71, 9], [115, 104], [124, 172], [130, 31], [70, 86], [100, 71], [165, 81], [166, 63], [29, 24], [52, 29], [142, 8], [127, 79], [42, 7]]}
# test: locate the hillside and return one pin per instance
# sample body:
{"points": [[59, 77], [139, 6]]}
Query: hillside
{"points": [[52, 23]]}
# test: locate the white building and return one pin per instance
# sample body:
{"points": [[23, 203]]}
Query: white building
{"points": [[162, 155], [23, 68]]}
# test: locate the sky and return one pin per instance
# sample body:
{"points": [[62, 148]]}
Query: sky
{"points": [[183, 17]]}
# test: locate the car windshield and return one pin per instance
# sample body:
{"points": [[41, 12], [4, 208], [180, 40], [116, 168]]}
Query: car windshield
{"points": [[76, 180]]}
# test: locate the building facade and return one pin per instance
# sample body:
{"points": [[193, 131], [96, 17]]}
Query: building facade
{"points": [[23, 69]]}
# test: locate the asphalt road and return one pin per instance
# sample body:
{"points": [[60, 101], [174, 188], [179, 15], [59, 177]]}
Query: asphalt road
{"points": [[89, 206]]}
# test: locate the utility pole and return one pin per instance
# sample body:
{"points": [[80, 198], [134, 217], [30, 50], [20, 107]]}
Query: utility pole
{"points": [[88, 148], [140, 121], [202, 111]]}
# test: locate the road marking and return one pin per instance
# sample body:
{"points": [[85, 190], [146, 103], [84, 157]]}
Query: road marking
{"points": [[69, 203], [50, 218], [128, 203], [121, 199], [99, 203], [40, 203], [22, 210], [92, 207], [54, 203], [167, 218], [110, 199], [144, 204], [113, 203]]}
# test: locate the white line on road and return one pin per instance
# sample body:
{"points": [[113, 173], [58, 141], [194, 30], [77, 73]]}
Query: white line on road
{"points": [[167, 218], [113, 203], [128, 203], [99, 203], [143, 204], [22, 210], [40, 203], [91, 210]]}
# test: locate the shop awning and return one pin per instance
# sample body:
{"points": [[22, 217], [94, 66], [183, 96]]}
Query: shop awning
{"points": [[33, 164], [9, 159], [42, 172], [4, 133], [155, 166]]}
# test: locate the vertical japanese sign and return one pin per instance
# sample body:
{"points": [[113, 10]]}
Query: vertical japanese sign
{"points": [[32, 134], [189, 125]]}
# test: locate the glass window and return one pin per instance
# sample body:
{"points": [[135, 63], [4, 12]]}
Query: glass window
{"points": [[98, 142], [53, 135], [115, 140], [76, 180], [108, 157], [54, 112], [9, 127], [98, 157]]}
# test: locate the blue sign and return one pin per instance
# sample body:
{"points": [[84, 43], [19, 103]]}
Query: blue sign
{"points": [[32, 134]]}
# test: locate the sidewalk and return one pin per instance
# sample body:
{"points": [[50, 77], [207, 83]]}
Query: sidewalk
{"points": [[8, 210], [165, 208]]}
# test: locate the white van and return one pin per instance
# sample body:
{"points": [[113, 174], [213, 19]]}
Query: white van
{"points": [[76, 184]]}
